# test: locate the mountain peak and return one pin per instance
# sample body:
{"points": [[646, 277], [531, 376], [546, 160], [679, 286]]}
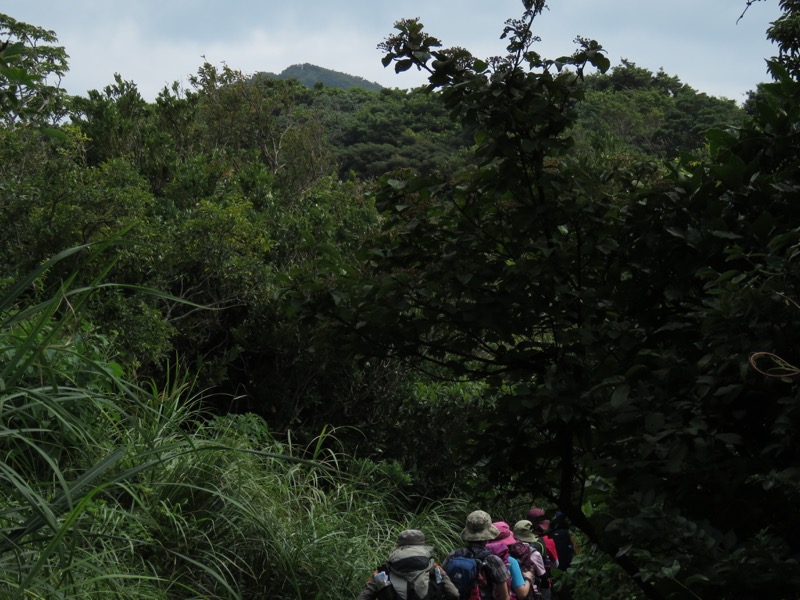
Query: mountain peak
{"points": [[312, 75]]}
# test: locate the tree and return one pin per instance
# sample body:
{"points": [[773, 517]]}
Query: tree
{"points": [[373, 133], [264, 116], [785, 31], [614, 321], [30, 72], [651, 113]]}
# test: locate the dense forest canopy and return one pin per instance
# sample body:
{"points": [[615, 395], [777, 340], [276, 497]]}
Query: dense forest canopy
{"points": [[258, 300]]}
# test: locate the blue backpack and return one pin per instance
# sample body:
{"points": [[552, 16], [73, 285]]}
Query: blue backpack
{"points": [[467, 570]]}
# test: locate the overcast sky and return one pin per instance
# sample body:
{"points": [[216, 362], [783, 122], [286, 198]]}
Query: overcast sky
{"points": [[156, 42]]}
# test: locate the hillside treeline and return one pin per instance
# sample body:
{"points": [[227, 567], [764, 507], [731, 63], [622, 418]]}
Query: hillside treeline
{"points": [[252, 306]]}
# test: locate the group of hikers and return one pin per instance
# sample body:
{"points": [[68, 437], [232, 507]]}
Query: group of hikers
{"points": [[498, 562]]}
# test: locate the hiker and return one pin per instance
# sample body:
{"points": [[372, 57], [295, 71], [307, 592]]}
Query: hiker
{"points": [[528, 551], [563, 540], [476, 572], [521, 581], [410, 573], [540, 525]]}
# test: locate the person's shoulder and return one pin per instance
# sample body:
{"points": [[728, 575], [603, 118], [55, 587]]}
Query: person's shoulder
{"points": [[453, 554], [493, 559]]}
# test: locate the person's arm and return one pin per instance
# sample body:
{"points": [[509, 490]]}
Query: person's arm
{"points": [[551, 548], [519, 584], [501, 591], [499, 576], [448, 587], [370, 592]]}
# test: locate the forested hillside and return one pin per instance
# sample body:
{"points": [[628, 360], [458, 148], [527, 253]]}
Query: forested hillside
{"points": [[314, 76], [251, 330]]}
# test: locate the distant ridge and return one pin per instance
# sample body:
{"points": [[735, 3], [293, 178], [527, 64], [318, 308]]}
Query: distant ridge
{"points": [[311, 75]]}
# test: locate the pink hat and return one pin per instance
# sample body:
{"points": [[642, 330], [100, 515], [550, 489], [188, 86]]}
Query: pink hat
{"points": [[498, 548], [505, 536]]}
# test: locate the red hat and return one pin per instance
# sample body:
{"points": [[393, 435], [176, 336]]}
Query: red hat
{"points": [[537, 517]]}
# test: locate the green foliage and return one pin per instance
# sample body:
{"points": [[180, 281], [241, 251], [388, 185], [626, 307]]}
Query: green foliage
{"points": [[116, 123], [613, 319], [113, 490], [220, 192], [265, 116], [785, 32], [374, 133], [439, 411], [653, 114], [736, 251], [30, 71], [563, 290], [592, 576]]}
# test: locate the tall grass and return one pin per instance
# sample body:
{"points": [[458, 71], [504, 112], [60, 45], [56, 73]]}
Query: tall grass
{"points": [[113, 490]]}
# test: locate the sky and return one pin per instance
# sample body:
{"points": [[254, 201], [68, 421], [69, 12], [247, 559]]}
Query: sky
{"points": [[154, 43]]}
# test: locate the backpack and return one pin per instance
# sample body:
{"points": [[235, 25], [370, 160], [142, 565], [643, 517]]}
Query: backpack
{"points": [[547, 559], [467, 570], [541, 547], [566, 551], [522, 551], [435, 585]]}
